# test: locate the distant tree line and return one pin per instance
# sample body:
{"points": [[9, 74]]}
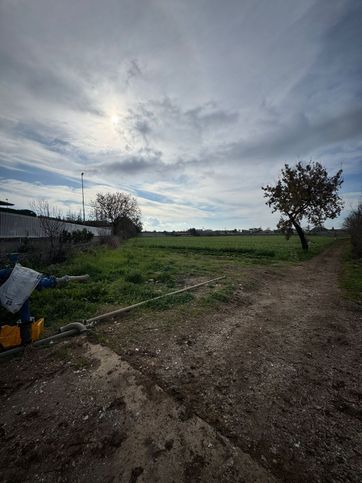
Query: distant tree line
{"points": [[317, 230]]}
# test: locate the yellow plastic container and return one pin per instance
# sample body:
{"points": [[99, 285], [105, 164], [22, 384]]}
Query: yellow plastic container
{"points": [[37, 329], [10, 334]]}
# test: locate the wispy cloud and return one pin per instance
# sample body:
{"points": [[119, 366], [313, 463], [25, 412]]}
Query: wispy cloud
{"points": [[192, 107]]}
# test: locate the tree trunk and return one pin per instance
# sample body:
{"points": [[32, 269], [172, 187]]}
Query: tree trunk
{"points": [[300, 232]]}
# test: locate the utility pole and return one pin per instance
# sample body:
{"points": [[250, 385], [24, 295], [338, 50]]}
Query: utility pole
{"points": [[81, 176]]}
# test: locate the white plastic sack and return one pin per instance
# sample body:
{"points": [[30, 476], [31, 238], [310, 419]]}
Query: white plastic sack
{"points": [[18, 287]]}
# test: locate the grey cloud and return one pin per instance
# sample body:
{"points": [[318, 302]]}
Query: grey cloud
{"points": [[158, 118], [146, 161], [133, 71], [42, 82], [134, 165], [139, 120], [205, 115], [143, 127], [298, 137], [130, 166], [333, 80], [208, 116], [166, 106]]}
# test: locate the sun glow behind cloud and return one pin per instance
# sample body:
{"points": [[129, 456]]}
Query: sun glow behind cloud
{"points": [[115, 119]]}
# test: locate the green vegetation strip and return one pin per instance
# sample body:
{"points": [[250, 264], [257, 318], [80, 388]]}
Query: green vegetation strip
{"points": [[351, 278], [274, 247], [136, 272], [219, 250]]}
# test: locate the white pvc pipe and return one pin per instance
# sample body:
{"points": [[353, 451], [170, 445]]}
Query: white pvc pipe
{"points": [[72, 278], [92, 321]]}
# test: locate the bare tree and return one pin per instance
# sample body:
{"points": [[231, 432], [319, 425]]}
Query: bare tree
{"points": [[74, 217], [50, 220], [116, 209]]}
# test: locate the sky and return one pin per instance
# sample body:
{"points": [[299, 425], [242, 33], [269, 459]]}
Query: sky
{"points": [[189, 105]]}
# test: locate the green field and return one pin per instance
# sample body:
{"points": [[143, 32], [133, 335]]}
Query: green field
{"points": [[143, 268], [266, 247]]}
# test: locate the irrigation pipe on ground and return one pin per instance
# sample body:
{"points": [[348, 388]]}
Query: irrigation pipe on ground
{"points": [[92, 321], [77, 328]]}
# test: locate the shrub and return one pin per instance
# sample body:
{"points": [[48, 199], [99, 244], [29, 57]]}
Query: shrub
{"points": [[77, 236], [65, 237], [134, 277], [82, 236], [353, 224]]}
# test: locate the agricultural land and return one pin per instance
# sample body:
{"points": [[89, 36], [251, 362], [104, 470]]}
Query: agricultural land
{"points": [[255, 377]]}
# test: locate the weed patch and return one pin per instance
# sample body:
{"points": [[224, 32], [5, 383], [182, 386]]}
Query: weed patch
{"points": [[351, 277], [134, 277]]}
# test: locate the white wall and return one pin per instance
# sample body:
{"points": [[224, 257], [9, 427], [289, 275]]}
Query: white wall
{"points": [[21, 226]]}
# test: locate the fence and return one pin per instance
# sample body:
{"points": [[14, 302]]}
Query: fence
{"points": [[21, 226]]}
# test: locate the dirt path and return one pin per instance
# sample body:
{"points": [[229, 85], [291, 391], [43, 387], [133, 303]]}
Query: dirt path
{"points": [[266, 389], [277, 372], [107, 422]]}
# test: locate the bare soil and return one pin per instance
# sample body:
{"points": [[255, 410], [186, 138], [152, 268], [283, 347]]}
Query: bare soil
{"points": [[267, 388]]}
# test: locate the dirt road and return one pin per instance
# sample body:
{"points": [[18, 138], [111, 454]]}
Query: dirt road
{"points": [[266, 389]]}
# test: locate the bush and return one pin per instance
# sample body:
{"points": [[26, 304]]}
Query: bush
{"points": [[125, 228], [78, 236], [353, 224], [134, 277], [65, 237], [82, 236]]}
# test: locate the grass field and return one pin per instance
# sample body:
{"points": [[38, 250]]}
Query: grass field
{"points": [[146, 267], [249, 247]]}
